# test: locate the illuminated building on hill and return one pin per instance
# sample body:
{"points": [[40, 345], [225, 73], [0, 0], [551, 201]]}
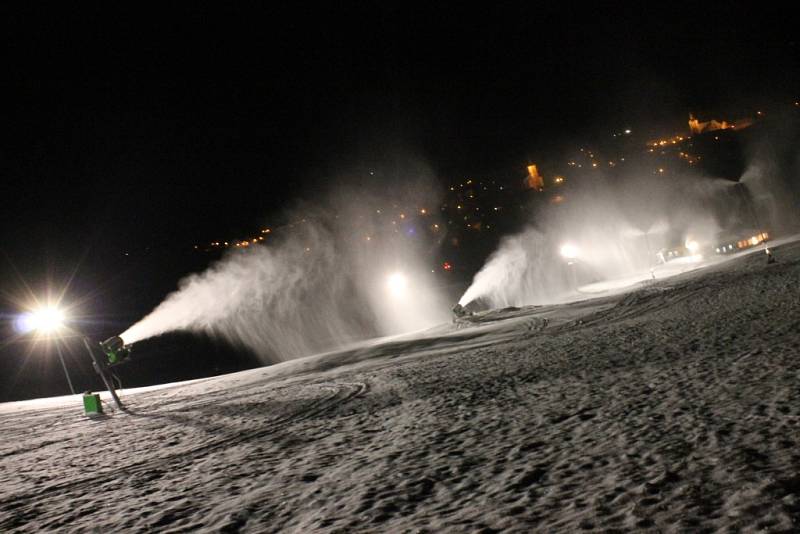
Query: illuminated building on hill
{"points": [[534, 180]]}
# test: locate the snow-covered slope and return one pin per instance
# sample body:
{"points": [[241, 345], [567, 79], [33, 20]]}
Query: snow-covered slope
{"points": [[673, 407]]}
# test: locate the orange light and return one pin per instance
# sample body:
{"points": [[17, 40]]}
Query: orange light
{"points": [[534, 180]]}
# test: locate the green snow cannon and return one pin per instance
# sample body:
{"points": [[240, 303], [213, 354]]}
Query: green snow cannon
{"points": [[115, 350]]}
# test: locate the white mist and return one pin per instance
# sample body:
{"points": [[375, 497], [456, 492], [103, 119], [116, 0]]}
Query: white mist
{"points": [[320, 287]]}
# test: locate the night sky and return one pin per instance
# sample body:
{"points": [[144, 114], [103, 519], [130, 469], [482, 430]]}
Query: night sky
{"points": [[132, 123], [130, 130]]}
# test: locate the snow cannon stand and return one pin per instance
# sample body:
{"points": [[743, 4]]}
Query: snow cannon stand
{"points": [[105, 356]]}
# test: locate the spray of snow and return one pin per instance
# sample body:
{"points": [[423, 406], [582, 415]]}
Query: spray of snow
{"points": [[322, 286], [603, 232]]}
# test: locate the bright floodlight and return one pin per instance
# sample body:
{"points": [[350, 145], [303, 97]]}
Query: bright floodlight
{"points": [[569, 251], [397, 284], [692, 246], [44, 320]]}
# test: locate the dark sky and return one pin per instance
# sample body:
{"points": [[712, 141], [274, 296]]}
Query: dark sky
{"points": [[129, 127]]}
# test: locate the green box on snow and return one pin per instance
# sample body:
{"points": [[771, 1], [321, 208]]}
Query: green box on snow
{"points": [[91, 403]]}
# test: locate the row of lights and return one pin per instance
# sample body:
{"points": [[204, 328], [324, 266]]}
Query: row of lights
{"points": [[470, 182], [402, 215], [264, 232], [670, 141]]}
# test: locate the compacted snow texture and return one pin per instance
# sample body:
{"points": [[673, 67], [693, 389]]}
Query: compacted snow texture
{"points": [[672, 407]]}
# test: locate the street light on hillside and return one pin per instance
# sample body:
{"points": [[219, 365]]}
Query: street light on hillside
{"points": [[46, 322]]}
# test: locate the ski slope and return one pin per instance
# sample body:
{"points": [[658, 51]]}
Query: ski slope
{"points": [[669, 406]]}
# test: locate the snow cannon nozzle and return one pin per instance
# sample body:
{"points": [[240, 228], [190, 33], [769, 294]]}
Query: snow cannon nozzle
{"points": [[115, 350]]}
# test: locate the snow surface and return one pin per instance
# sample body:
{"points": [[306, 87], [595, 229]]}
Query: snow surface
{"points": [[671, 407]]}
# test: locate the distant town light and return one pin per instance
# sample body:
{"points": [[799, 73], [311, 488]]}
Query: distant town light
{"points": [[628, 131]]}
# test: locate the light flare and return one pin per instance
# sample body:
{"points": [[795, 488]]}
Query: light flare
{"points": [[569, 251], [44, 320], [397, 284]]}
